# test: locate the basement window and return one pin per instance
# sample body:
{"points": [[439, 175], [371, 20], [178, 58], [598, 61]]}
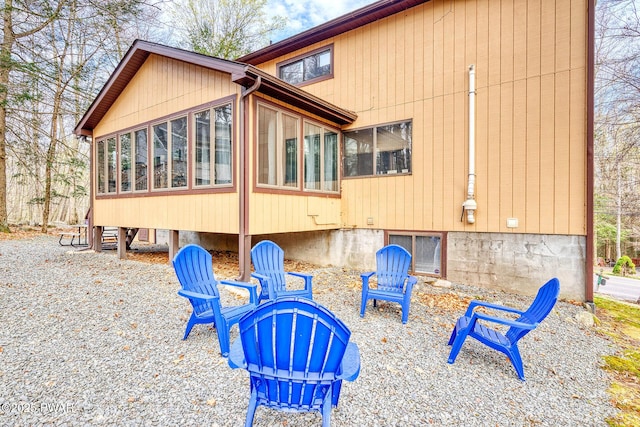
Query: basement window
{"points": [[425, 249]]}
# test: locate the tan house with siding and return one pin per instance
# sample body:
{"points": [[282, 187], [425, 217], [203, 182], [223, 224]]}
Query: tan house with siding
{"points": [[459, 129]]}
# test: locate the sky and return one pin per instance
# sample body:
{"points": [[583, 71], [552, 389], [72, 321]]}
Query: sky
{"points": [[304, 14]]}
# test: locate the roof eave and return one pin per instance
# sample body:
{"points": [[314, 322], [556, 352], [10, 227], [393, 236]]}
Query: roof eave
{"points": [[342, 24], [293, 95], [130, 64]]}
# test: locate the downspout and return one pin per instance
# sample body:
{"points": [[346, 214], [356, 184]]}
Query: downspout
{"points": [[244, 238], [470, 204]]}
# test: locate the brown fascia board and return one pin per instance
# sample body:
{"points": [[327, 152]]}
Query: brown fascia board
{"points": [[242, 74], [342, 24], [283, 91], [129, 66]]}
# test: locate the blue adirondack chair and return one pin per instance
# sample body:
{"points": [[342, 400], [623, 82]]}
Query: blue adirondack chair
{"points": [[394, 282], [268, 263], [192, 265], [297, 353], [507, 343]]}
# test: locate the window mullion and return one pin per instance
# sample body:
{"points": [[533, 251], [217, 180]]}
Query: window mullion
{"points": [[212, 146], [375, 151], [279, 149]]}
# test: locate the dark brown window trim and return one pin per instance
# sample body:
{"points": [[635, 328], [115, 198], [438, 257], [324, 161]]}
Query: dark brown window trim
{"points": [[297, 58], [382, 175], [414, 233], [172, 192], [299, 190], [190, 189]]}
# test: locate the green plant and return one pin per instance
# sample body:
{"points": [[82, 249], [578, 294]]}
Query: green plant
{"points": [[625, 266]]}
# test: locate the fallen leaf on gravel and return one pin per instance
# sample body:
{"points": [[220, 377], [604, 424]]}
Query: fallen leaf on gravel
{"points": [[450, 302]]}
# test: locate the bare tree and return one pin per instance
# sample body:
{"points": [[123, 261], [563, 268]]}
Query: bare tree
{"points": [[223, 28], [56, 73], [21, 19], [617, 116]]}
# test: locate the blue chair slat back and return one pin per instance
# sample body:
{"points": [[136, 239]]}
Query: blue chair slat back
{"points": [[293, 349], [392, 265], [194, 269], [268, 260], [539, 309]]}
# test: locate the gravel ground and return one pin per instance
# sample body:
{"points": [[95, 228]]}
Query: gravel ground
{"points": [[88, 339]]}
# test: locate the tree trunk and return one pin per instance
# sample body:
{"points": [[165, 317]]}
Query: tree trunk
{"points": [[5, 66]]}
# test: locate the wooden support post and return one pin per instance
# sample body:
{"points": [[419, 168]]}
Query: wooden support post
{"points": [[97, 238], [122, 242], [174, 244]]}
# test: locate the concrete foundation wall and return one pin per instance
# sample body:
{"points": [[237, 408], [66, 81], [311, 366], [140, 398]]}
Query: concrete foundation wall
{"points": [[517, 262], [343, 248], [512, 262]]}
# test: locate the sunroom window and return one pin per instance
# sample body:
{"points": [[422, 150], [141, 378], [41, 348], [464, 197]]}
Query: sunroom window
{"points": [[320, 158], [112, 169], [277, 148], [126, 151], [286, 163], [142, 159], [170, 154], [213, 161], [100, 167]]}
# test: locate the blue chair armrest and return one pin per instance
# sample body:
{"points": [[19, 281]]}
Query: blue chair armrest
{"points": [[366, 276], [411, 280], [196, 295], [303, 275], [265, 283], [259, 276], [350, 366], [476, 303], [502, 321], [252, 288], [236, 355], [307, 279]]}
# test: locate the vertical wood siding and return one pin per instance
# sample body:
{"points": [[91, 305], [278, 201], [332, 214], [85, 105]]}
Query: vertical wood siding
{"points": [[164, 87], [530, 58], [197, 212]]}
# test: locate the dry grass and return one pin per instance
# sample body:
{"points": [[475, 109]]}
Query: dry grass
{"points": [[621, 322]]}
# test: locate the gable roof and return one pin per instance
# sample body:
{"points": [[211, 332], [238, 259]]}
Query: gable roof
{"points": [[242, 74], [358, 18]]}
